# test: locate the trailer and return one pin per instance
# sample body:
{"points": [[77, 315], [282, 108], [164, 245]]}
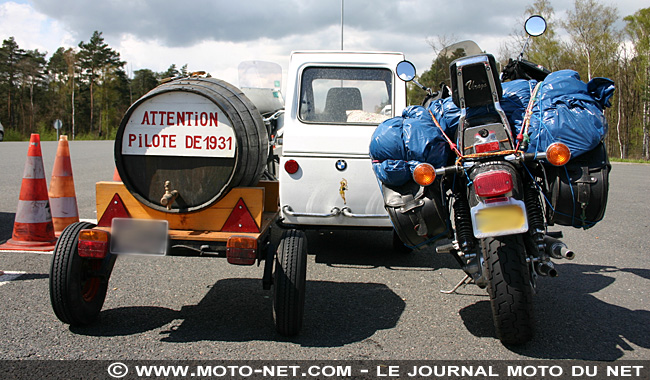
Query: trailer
{"points": [[191, 155]]}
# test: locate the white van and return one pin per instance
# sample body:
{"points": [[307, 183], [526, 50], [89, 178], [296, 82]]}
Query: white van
{"points": [[334, 102]]}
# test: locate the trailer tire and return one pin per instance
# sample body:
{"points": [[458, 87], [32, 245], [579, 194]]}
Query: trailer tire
{"points": [[77, 297], [289, 283]]}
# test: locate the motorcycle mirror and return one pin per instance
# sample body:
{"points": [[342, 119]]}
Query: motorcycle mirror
{"points": [[535, 25], [405, 71]]}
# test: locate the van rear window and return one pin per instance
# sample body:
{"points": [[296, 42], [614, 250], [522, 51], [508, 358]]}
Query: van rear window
{"points": [[346, 95]]}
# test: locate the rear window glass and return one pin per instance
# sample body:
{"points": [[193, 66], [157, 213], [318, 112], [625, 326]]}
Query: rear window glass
{"points": [[346, 95]]}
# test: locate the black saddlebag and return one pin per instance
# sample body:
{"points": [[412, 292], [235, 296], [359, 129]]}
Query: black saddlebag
{"points": [[419, 218], [578, 191]]}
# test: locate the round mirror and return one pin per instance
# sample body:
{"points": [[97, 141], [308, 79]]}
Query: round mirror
{"points": [[406, 71], [535, 25]]}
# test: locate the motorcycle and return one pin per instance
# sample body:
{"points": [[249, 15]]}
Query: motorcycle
{"points": [[492, 198]]}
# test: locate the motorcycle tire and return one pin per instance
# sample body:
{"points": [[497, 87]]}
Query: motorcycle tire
{"points": [[510, 289]]}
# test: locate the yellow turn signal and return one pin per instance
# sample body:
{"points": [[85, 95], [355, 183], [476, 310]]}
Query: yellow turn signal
{"points": [[558, 154], [424, 174]]}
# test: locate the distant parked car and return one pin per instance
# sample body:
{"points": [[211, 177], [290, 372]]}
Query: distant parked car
{"points": [[2, 132]]}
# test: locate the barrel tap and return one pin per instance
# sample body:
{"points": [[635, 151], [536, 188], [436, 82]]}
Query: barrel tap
{"points": [[170, 196]]}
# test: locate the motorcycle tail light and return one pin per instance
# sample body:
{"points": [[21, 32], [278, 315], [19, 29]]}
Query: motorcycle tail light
{"points": [[424, 174], [291, 166], [485, 141], [493, 183], [93, 243], [558, 154], [487, 147]]}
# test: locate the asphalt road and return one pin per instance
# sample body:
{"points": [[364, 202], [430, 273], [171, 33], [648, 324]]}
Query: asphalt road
{"points": [[363, 301]]}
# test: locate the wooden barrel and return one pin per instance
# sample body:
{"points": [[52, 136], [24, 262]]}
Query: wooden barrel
{"points": [[203, 135]]}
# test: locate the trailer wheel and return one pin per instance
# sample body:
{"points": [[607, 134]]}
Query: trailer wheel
{"points": [[77, 285], [289, 283]]}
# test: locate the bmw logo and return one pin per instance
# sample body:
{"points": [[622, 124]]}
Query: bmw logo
{"points": [[341, 165]]}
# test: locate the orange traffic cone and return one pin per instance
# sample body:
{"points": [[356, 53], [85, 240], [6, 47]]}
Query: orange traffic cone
{"points": [[116, 176], [63, 199], [33, 228]]}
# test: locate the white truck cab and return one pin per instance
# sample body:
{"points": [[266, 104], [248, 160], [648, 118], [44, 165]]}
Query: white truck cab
{"points": [[334, 102]]}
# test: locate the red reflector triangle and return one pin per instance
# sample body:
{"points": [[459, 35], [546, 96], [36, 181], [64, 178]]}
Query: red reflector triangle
{"points": [[115, 209], [240, 220]]}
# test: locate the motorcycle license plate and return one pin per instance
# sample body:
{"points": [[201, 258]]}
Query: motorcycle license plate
{"points": [[504, 218], [139, 236]]}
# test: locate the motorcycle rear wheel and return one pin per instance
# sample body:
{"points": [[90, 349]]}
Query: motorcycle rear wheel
{"points": [[510, 290]]}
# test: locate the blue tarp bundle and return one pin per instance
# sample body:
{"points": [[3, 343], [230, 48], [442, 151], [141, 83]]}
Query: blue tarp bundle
{"points": [[400, 143], [570, 111], [566, 110]]}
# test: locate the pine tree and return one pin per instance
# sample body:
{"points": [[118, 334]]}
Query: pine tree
{"points": [[10, 56], [97, 60]]}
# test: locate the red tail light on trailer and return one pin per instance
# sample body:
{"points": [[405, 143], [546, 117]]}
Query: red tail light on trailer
{"points": [[241, 250], [93, 244], [493, 183]]}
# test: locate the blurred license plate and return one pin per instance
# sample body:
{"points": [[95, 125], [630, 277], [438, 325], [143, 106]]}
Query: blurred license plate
{"points": [[139, 236], [502, 219]]}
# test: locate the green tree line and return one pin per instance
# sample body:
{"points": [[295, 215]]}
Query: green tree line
{"points": [[594, 47], [86, 87]]}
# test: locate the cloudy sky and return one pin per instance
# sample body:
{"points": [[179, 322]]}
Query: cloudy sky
{"points": [[215, 35]]}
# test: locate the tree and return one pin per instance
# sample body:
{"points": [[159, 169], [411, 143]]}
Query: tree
{"points": [[143, 81], [62, 72], [591, 29], [32, 72], [545, 49], [171, 72], [439, 71], [637, 29], [97, 60], [10, 56], [115, 100]]}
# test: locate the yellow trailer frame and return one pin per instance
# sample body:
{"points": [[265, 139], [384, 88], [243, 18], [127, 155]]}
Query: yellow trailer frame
{"points": [[262, 202]]}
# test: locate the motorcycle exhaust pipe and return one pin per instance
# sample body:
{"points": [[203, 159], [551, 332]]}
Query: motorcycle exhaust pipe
{"points": [[556, 249], [546, 268]]}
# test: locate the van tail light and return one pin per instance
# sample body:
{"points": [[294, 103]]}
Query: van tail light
{"points": [[291, 166], [493, 183], [241, 250], [93, 244]]}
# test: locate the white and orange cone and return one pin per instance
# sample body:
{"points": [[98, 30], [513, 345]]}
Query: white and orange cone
{"points": [[33, 228], [63, 199], [116, 176]]}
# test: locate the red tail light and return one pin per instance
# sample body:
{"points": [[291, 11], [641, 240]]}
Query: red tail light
{"points": [[493, 183], [487, 147], [241, 250], [93, 243], [291, 166], [485, 141]]}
